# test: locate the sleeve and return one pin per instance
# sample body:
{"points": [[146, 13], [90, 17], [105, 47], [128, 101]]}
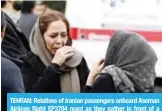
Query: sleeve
{"points": [[49, 81], [103, 84]]}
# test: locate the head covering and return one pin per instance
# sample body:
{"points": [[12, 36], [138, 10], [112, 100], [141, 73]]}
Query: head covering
{"points": [[37, 45], [131, 62]]}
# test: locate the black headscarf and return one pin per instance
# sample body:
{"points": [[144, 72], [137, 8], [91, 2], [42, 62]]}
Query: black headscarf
{"points": [[131, 62]]}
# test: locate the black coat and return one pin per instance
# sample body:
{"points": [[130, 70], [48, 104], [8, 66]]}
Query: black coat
{"points": [[15, 42], [39, 78]]}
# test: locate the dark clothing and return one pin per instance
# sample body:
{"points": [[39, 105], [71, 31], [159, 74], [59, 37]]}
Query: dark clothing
{"points": [[39, 78], [11, 78], [26, 23], [103, 84], [16, 61], [14, 43]]}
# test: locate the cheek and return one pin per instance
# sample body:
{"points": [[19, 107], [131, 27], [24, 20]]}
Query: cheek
{"points": [[65, 40], [49, 42]]}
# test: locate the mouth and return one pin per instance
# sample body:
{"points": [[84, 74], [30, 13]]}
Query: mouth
{"points": [[56, 48]]}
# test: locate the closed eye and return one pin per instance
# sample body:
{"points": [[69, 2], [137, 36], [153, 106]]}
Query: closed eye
{"points": [[63, 34], [54, 35]]}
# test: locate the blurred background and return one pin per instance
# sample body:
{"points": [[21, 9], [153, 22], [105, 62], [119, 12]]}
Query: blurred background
{"points": [[94, 21]]}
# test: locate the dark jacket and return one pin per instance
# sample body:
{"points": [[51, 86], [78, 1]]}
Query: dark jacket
{"points": [[103, 84], [26, 23], [39, 78], [14, 43], [11, 78]]}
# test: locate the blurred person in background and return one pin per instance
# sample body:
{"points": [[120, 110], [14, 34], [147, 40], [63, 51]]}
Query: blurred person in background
{"points": [[40, 8], [12, 9], [129, 66], [53, 65], [27, 19], [11, 78], [15, 43]]}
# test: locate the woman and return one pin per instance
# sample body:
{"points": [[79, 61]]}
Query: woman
{"points": [[129, 66], [53, 65]]}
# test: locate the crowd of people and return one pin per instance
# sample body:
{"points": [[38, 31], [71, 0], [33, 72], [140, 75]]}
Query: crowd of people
{"points": [[38, 56]]}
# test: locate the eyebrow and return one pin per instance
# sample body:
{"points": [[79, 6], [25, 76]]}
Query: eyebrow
{"points": [[58, 32]]}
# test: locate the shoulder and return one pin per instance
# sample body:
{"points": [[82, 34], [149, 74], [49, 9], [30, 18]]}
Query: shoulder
{"points": [[7, 64], [104, 84], [9, 70], [29, 56], [104, 77]]}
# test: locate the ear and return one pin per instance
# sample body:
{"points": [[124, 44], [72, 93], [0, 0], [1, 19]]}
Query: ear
{"points": [[3, 32], [2, 35]]}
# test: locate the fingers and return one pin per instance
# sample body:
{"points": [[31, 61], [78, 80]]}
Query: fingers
{"points": [[67, 49], [70, 54], [100, 61], [63, 54], [101, 66]]}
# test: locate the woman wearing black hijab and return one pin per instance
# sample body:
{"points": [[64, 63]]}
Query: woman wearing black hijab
{"points": [[129, 66]]}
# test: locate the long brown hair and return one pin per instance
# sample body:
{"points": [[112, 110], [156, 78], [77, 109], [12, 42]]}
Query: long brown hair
{"points": [[50, 16]]}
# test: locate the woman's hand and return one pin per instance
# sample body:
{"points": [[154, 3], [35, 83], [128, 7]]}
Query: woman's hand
{"points": [[62, 54], [96, 69]]}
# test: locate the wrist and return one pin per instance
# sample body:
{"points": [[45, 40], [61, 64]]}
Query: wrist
{"points": [[56, 62], [92, 74], [89, 81]]}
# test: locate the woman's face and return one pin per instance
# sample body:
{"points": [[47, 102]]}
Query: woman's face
{"points": [[55, 36]]}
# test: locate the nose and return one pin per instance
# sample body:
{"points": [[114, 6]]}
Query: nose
{"points": [[59, 40]]}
